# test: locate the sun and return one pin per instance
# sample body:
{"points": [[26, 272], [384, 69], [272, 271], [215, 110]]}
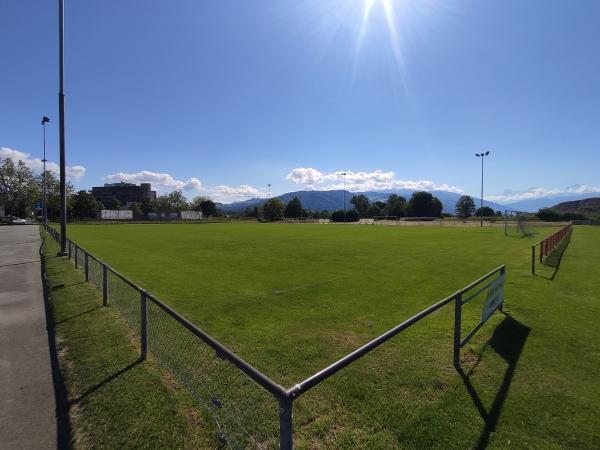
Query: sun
{"points": [[390, 18]]}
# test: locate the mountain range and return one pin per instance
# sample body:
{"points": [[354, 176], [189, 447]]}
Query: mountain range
{"points": [[332, 200], [588, 206]]}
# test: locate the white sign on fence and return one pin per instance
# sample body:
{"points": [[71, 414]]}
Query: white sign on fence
{"points": [[495, 297], [191, 215], [116, 214]]}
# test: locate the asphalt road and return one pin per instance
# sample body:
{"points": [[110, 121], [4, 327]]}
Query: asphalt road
{"points": [[27, 402]]}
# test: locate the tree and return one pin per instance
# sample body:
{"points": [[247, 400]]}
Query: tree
{"points": [[374, 210], [84, 205], [113, 203], [436, 207], [195, 204], [396, 205], [148, 206], [351, 216], [293, 209], [136, 210], [273, 209], [177, 201], [423, 204], [465, 206], [487, 212], [18, 188], [208, 208], [53, 194], [163, 205], [361, 204]]}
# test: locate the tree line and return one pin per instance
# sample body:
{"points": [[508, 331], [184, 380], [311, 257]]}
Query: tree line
{"points": [[21, 191], [420, 204]]}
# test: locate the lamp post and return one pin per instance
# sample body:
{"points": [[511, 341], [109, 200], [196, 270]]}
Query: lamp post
{"points": [[344, 176], [45, 120], [481, 155], [269, 186], [61, 128]]}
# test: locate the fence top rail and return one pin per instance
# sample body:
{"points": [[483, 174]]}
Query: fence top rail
{"points": [[477, 282], [222, 351], [264, 381], [330, 370], [256, 375], [553, 234]]}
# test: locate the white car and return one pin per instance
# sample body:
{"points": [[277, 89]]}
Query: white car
{"points": [[18, 221]]}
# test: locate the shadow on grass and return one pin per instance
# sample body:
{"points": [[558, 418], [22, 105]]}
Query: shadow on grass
{"points": [[508, 342], [553, 259], [106, 380], [61, 397], [77, 315], [63, 423]]}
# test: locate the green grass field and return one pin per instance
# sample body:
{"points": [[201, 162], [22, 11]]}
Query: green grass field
{"points": [[291, 299]]}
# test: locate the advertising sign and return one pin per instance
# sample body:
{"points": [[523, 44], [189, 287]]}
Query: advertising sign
{"points": [[495, 297]]}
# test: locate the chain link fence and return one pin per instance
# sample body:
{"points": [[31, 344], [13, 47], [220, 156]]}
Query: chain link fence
{"points": [[249, 410]]}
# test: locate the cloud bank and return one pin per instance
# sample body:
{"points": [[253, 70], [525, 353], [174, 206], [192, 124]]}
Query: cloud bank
{"points": [[36, 164], [361, 181], [509, 196], [164, 182]]}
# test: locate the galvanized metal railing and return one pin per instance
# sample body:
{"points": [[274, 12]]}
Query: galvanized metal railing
{"points": [[150, 305], [548, 244]]}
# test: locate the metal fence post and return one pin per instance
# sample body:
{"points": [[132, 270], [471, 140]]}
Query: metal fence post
{"points": [[69, 243], [144, 324], [104, 285], [76, 258], [286, 426], [533, 259], [457, 329], [86, 266]]}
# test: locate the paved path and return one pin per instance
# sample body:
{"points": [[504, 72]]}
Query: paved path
{"points": [[27, 405]]}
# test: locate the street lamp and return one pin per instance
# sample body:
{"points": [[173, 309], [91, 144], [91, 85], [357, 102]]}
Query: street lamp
{"points": [[45, 120], [269, 186], [61, 128], [344, 176], [481, 155]]}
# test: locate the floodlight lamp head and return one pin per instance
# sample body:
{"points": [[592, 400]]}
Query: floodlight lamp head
{"points": [[487, 153], [477, 154], [45, 120]]}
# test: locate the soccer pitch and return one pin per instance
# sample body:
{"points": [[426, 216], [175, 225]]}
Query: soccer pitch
{"points": [[291, 299]]}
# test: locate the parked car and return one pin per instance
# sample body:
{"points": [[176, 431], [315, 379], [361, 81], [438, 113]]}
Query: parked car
{"points": [[18, 221]]}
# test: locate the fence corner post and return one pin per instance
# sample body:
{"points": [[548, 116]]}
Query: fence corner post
{"points": [[76, 257], [286, 427], [144, 324], [104, 285], [86, 266], [457, 329], [533, 259]]}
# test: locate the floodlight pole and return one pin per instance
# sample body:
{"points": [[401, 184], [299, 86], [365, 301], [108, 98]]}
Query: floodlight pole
{"points": [[269, 186], [61, 127], [45, 120], [344, 176], [481, 155]]}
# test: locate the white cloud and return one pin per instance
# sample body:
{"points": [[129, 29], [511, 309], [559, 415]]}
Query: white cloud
{"points": [[361, 181], [228, 194], [36, 164], [162, 182], [509, 196]]}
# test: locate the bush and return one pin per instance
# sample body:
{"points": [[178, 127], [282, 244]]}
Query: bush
{"points": [[351, 216]]}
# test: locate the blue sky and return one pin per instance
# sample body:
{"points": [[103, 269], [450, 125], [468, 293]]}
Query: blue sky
{"points": [[222, 98]]}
